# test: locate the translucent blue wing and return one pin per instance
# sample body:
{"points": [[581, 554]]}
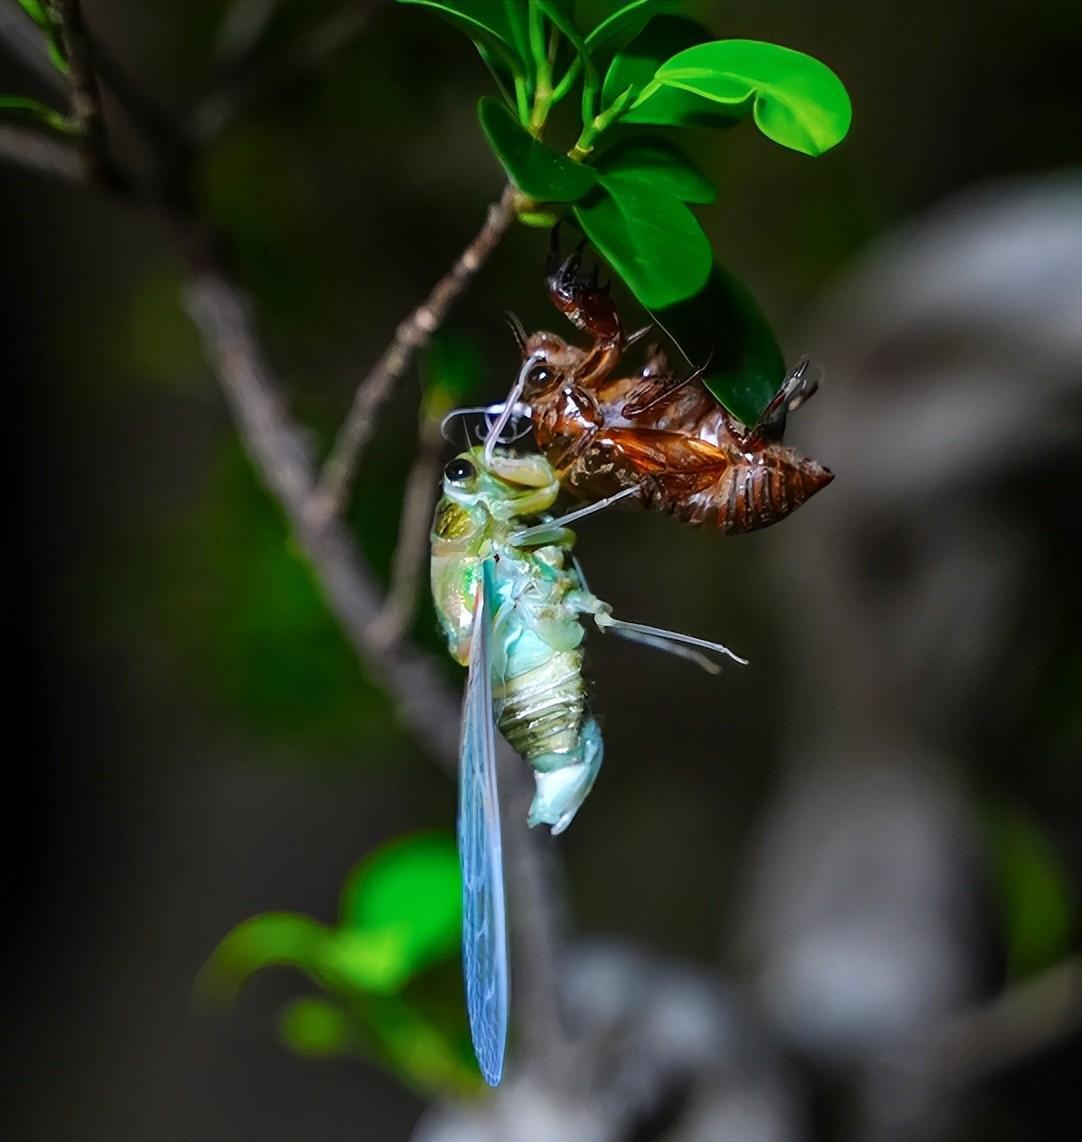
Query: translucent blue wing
{"points": [[484, 925]]}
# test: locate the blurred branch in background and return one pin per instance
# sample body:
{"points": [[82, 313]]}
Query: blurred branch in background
{"points": [[412, 335]]}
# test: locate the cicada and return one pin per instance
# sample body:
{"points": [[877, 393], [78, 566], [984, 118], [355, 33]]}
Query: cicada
{"points": [[510, 600], [668, 438]]}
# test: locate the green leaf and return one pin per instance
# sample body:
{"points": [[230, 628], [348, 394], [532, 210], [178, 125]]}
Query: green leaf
{"points": [[377, 960], [1034, 892], [662, 165], [48, 116], [723, 324], [451, 369], [796, 100], [36, 11], [537, 170], [412, 890], [635, 66], [493, 25], [649, 237], [41, 16], [614, 22], [314, 1028], [425, 1054], [271, 939]]}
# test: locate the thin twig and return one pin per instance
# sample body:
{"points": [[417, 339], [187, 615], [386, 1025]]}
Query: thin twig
{"points": [[279, 451], [413, 334], [277, 447], [414, 524], [86, 102]]}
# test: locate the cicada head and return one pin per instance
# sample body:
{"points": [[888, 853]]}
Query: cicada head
{"points": [[485, 487], [551, 364]]}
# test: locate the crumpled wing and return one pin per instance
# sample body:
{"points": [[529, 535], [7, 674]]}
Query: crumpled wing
{"points": [[659, 452], [484, 924]]}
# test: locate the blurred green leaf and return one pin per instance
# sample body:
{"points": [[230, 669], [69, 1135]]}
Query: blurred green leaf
{"points": [[399, 928], [427, 1055], [537, 170], [241, 605], [635, 66], [315, 1028], [411, 889], [42, 16], [377, 960], [495, 27], [20, 105], [648, 236], [660, 164], [723, 325], [451, 370], [273, 939], [796, 100], [1034, 892]]}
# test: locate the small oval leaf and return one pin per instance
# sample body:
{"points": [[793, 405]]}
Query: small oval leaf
{"points": [[662, 165], [650, 238], [537, 170], [796, 100]]}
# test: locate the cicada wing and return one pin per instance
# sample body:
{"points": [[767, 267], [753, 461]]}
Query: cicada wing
{"points": [[484, 924]]}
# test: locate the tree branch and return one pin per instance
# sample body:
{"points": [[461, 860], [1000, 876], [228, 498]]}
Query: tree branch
{"points": [[86, 103], [411, 548], [278, 449], [413, 334]]}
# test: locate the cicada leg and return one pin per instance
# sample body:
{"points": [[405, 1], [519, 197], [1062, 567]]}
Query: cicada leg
{"points": [[586, 303], [800, 384]]}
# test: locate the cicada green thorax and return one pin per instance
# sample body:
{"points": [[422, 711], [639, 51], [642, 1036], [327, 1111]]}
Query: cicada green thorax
{"points": [[483, 502]]}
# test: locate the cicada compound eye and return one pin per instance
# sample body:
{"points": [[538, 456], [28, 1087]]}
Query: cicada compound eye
{"points": [[539, 376], [459, 471]]}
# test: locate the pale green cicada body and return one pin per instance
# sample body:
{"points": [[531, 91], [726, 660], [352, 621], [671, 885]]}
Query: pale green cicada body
{"points": [[537, 598], [510, 600]]}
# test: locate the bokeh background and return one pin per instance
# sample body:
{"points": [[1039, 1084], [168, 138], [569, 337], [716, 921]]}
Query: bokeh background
{"points": [[871, 831]]}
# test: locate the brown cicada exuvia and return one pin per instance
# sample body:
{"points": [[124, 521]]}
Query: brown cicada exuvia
{"points": [[669, 438]]}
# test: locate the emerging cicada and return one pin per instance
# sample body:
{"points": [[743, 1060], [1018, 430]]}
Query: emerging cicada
{"points": [[510, 599], [669, 439]]}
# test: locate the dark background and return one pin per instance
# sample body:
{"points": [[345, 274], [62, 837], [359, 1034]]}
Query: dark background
{"points": [[191, 741]]}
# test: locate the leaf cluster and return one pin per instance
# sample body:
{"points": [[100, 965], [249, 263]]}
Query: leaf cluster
{"points": [[638, 67], [399, 920], [42, 13]]}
